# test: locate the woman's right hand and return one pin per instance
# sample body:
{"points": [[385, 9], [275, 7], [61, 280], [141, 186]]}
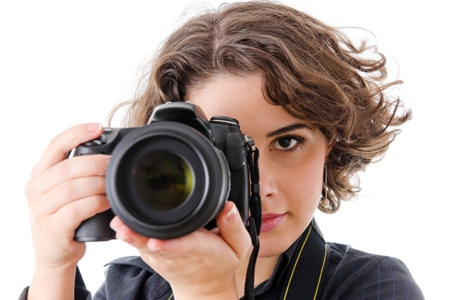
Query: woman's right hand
{"points": [[61, 194]]}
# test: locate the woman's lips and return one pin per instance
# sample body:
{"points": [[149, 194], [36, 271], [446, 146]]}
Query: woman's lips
{"points": [[271, 221]]}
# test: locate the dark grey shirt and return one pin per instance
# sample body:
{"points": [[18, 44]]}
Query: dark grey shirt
{"points": [[351, 274]]}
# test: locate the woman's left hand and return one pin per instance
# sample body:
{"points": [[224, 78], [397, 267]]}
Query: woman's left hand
{"points": [[201, 264]]}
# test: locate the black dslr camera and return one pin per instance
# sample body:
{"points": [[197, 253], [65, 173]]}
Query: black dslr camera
{"points": [[172, 176]]}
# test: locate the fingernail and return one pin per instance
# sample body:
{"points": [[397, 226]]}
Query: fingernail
{"points": [[93, 127], [114, 224], [231, 214]]}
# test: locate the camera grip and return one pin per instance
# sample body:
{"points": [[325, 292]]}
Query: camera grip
{"points": [[239, 191], [96, 228]]}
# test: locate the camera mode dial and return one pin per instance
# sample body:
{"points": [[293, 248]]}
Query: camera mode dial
{"points": [[224, 120]]}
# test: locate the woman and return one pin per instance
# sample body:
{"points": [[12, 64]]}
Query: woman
{"points": [[316, 106]]}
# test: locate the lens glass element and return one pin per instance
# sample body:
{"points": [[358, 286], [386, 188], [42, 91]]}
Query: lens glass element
{"points": [[164, 180]]}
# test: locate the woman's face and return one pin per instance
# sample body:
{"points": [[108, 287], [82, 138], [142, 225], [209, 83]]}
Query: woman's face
{"points": [[291, 161]]}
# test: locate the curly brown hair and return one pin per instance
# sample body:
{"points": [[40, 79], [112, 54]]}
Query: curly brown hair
{"points": [[314, 71]]}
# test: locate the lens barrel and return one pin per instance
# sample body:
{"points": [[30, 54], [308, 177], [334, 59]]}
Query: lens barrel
{"points": [[167, 180]]}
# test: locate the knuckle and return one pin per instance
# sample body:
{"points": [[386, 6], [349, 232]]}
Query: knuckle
{"points": [[99, 202], [31, 192], [28, 191], [101, 183], [33, 172], [67, 190], [71, 213], [55, 141], [66, 169]]}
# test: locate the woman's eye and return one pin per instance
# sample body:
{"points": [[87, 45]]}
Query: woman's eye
{"points": [[288, 143]]}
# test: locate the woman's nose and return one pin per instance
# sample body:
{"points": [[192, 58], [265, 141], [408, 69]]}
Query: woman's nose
{"points": [[267, 179]]}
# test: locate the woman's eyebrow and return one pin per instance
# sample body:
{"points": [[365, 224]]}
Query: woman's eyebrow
{"points": [[286, 129]]}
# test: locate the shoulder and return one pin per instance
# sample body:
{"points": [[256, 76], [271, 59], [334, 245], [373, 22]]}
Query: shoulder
{"points": [[353, 273], [131, 278], [344, 257]]}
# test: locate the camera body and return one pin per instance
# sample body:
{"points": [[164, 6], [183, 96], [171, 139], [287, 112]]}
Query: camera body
{"points": [[172, 176]]}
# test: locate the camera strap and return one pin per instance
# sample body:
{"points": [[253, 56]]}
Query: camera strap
{"points": [[307, 267], [255, 219]]}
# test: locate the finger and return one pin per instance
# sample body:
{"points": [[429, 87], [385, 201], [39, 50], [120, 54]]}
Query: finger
{"points": [[233, 231], [186, 245], [73, 214], [69, 217], [179, 246], [77, 167], [124, 233], [60, 145], [72, 190]]}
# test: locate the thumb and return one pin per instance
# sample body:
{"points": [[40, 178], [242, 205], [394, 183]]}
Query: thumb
{"points": [[233, 231]]}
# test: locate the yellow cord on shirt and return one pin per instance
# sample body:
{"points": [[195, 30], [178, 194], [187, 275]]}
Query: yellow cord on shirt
{"points": [[295, 266]]}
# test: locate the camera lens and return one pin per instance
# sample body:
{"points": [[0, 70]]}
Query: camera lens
{"points": [[164, 180]]}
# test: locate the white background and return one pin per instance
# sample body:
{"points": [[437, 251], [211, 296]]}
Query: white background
{"points": [[63, 63]]}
